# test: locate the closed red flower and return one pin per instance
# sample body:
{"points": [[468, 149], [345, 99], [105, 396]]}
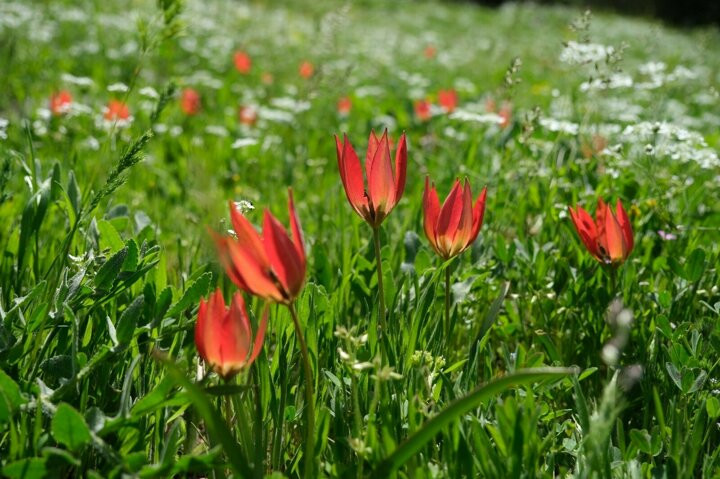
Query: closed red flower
{"points": [[454, 227], [271, 265], [306, 69], [448, 100], [116, 110], [223, 336], [60, 102], [384, 188], [344, 105], [243, 63], [608, 238], [247, 115], [422, 110], [190, 101]]}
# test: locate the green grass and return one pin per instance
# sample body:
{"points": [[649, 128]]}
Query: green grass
{"points": [[105, 250]]}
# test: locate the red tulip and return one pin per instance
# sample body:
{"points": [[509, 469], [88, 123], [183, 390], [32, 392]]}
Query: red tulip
{"points": [[609, 238], [270, 265], [344, 105], [385, 188], [306, 69], [116, 111], [190, 101], [247, 115], [243, 63], [452, 228], [422, 110], [60, 102], [448, 99], [223, 337]]}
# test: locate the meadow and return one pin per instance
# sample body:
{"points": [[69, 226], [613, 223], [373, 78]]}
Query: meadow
{"points": [[371, 330]]}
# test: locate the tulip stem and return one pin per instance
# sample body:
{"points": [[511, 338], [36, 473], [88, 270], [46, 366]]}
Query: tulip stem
{"points": [[447, 304], [310, 404], [381, 290]]}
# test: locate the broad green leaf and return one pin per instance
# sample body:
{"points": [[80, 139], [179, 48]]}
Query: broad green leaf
{"points": [[695, 265], [128, 321], [28, 468], [712, 406], [10, 396], [69, 427], [131, 260], [109, 237], [192, 294], [110, 270]]}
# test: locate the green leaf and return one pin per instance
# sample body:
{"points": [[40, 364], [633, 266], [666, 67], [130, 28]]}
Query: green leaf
{"points": [[28, 468], [460, 407], [131, 260], [192, 294], [10, 397], [712, 406], [128, 320], [674, 375], [110, 270], [214, 421], [695, 265], [73, 192], [109, 237], [69, 427]]}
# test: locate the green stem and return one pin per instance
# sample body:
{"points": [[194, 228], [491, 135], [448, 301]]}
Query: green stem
{"points": [[310, 405], [381, 290], [259, 444], [447, 304]]}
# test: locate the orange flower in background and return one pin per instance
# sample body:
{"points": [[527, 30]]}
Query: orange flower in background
{"points": [[116, 110], [448, 99], [422, 110], [223, 337], [306, 69], [190, 101], [384, 188], [506, 114], [344, 105], [609, 238], [60, 102], [247, 115], [271, 265], [452, 228], [267, 78], [243, 63], [430, 51]]}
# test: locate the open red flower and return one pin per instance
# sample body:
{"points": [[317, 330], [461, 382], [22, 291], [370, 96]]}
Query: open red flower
{"points": [[60, 102], [243, 63], [344, 105], [422, 110], [271, 265], [452, 228], [306, 69], [224, 338], [384, 188], [609, 238], [190, 101], [448, 100], [116, 110]]}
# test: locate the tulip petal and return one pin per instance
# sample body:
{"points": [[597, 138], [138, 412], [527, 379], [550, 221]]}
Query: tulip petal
{"points": [[260, 335], [223, 249], [284, 259], [256, 276], [616, 247], [625, 226], [235, 336], [212, 333], [478, 215], [297, 236], [200, 329], [400, 169], [586, 229], [431, 211], [449, 218], [373, 144], [247, 235], [351, 175], [465, 225], [381, 183]]}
